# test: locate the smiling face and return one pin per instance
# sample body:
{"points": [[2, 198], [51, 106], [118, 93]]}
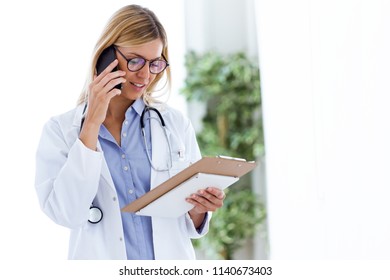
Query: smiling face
{"points": [[137, 82], [134, 29]]}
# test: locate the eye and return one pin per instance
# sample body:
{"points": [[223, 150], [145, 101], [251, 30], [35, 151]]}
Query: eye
{"points": [[136, 62], [158, 64]]}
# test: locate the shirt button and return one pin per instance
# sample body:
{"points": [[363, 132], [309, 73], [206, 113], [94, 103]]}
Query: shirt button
{"points": [[131, 191], [123, 156], [125, 168], [126, 122], [124, 134]]}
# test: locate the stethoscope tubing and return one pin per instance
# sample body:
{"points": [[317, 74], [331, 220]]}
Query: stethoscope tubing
{"points": [[163, 127]]}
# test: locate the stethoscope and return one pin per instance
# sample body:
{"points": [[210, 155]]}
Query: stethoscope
{"points": [[163, 127], [95, 213]]}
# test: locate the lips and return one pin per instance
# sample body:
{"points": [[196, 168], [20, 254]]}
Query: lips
{"points": [[137, 85]]}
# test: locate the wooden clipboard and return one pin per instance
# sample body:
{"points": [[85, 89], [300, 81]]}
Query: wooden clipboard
{"points": [[223, 166]]}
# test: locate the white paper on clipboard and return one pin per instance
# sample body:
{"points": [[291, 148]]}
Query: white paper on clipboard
{"points": [[173, 204]]}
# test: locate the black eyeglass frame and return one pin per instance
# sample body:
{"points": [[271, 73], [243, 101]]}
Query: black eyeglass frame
{"points": [[146, 60]]}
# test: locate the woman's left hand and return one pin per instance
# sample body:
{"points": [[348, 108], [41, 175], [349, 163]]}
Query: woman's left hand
{"points": [[209, 199]]}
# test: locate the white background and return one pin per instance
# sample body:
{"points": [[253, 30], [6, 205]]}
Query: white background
{"points": [[325, 68]]}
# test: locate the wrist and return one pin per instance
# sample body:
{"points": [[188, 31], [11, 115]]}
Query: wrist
{"points": [[89, 135], [197, 218]]}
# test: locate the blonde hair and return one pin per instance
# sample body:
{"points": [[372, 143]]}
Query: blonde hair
{"points": [[132, 25]]}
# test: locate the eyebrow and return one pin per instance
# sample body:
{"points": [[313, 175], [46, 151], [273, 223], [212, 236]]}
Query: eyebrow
{"points": [[136, 54]]}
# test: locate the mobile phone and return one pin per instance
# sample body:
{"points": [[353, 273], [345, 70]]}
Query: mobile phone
{"points": [[105, 59]]}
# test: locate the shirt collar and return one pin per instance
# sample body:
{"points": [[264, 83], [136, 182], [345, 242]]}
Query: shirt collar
{"points": [[138, 106]]}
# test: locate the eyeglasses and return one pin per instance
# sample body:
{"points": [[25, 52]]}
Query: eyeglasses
{"points": [[135, 64]]}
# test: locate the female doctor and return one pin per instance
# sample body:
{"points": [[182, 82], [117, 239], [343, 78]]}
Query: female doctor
{"points": [[94, 159]]}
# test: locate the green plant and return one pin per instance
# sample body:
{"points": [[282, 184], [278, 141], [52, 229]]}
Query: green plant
{"points": [[233, 224], [229, 85]]}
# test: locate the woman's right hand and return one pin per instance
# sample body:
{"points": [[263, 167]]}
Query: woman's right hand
{"points": [[101, 91]]}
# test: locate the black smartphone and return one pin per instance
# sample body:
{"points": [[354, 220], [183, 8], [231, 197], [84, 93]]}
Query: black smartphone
{"points": [[105, 59]]}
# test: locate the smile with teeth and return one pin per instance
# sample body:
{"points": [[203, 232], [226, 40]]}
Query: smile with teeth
{"points": [[137, 85]]}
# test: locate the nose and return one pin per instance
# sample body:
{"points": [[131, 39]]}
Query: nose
{"points": [[144, 71]]}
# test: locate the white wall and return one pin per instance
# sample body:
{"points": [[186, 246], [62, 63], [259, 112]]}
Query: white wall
{"points": [[222, 25], [325, 72]]}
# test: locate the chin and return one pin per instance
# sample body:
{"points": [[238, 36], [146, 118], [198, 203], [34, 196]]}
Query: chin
{"points": [[131, 95]]}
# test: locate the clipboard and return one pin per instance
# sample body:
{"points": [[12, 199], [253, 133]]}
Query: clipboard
{"points": [[168, 198]]}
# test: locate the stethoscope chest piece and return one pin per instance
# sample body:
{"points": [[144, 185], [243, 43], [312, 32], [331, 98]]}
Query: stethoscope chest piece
{"points": [[95, 215]]}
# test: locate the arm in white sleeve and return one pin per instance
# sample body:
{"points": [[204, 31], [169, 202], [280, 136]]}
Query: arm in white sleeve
{"points": [[67, 176]]}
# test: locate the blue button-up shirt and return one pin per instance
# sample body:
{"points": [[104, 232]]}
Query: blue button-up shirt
{"points": [[130, 171]]}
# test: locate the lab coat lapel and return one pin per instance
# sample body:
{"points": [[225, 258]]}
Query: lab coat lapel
{"points": [[105, 172], [160, 150]]}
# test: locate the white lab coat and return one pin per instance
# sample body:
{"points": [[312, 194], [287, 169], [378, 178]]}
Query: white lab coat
{"points": [[69, 177]]}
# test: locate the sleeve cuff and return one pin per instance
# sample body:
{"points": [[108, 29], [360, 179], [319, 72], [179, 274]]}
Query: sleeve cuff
{"points": [[200, 229]]}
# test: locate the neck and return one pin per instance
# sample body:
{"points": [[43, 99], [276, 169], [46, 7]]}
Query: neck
{"points": [[117, 108]]}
